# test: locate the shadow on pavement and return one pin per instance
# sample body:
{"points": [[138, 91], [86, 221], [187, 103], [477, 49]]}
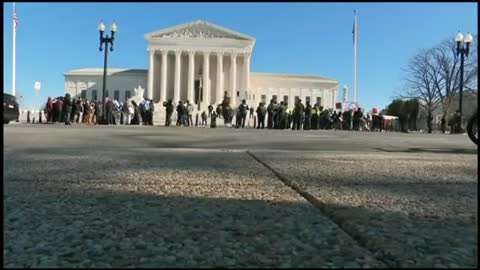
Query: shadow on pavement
{"points": [[431, 150], [101, 228]]}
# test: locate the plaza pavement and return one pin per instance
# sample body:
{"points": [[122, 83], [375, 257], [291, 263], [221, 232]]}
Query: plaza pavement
{"points": [[197, 197]]}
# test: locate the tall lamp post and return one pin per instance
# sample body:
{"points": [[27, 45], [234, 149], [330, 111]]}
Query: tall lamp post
{"points": [[463, 47], [105, 40]]}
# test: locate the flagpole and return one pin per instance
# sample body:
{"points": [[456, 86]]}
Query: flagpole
{"points": [[355, 60], [13, 50]]}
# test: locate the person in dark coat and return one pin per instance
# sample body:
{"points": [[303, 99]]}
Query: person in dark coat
{"points": [[59, 109], [213, 120], [169, 111], [78, 110], [271, 112], [298, 114], [277, 114], [67, 108], [49, 110], [109, 111], [180, 113], [204, 118], [219, 110], [243, 109], [261, 113], [136, 114], [252, 110], [74, 111], [308, 117]]}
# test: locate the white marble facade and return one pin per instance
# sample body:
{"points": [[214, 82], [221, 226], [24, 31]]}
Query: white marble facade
{"points": [[202, 62]]}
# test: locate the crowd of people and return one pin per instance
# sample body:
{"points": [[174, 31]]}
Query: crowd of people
{"points": [[274, 116], [67, 110], [278, 116]]}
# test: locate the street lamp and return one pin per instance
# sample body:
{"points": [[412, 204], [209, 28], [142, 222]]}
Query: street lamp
{"points": [[463, 52], [105, 40]]}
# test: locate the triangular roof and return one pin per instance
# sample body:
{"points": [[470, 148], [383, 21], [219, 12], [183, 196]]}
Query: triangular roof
{"points": [[198, 29]]}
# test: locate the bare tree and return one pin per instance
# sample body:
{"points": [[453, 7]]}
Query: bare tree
{"points": [[421, 78], [446, 64]]}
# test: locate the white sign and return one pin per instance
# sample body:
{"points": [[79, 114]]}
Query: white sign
{"points": [[37, 86]]}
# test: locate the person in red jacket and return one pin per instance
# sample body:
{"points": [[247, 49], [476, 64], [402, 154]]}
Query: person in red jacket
{"points": [[49, 110]]}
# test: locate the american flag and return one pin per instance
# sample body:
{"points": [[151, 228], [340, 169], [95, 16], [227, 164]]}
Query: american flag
{"points": [[15, 18]]}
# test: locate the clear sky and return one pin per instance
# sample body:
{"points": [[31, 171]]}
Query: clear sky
{"points": [[296, 38]]}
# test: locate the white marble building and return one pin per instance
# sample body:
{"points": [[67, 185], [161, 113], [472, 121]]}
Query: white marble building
{"points": [[201, 62]]}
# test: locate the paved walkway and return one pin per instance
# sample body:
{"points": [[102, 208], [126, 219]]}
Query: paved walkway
{"points": [[150, 197]]}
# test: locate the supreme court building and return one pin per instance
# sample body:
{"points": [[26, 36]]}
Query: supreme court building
{"points": [[201, 62]]}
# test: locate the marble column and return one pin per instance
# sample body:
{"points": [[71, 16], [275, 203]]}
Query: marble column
{"points": [[219, 95], [163, 88], [150, 73], [178, 63], [206, 76], [246, 68], [233, 79], [191, 76]]}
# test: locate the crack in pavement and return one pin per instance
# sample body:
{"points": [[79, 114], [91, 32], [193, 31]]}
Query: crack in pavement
{"points": [[316, 203]]}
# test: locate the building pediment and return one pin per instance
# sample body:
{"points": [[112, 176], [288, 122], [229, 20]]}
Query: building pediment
{"points": [[198, 29]]}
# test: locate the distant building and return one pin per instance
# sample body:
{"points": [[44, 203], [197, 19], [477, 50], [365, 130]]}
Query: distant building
{"points": [[204, 63]]}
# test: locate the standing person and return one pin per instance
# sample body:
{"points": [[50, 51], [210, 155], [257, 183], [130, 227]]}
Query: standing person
{"points": [[252, 110], [131, 112], [219, 110], [78, 111], [74, 110], [243, 108], [67, 108], [152, 110], [278, 115], [87, 112], [59, 107], [109, 112], [168, 111], [210, 110], [204, 118], [148, 112], [120, 113], [261, 113], [98, 113], [299, 111], [142, 111], [314, 118], [213, 120], [136, 114], [180, 113], [308, 117], [271, 112], [49, 110], [189, 114], [93, 109], [125, 113]]}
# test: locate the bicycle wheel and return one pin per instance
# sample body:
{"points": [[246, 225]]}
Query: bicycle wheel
{"points": [[472, 128]]}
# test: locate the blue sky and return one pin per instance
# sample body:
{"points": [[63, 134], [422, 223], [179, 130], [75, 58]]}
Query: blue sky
{"points": [[305, 38]]}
